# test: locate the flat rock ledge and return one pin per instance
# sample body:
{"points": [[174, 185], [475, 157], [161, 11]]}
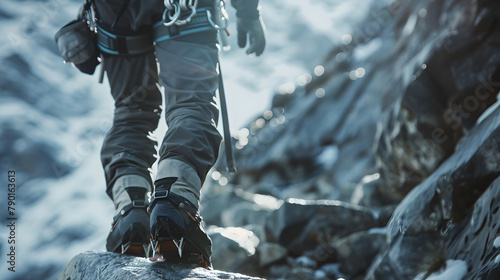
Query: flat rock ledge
{"points": [[105, 265]]}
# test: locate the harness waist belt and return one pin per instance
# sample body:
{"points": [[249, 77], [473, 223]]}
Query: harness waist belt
{"points": [[123, 45], [138, 44], [198, 23]]}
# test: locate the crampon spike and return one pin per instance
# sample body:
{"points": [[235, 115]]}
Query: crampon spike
{"points": [[179, 246], [125, 247]]}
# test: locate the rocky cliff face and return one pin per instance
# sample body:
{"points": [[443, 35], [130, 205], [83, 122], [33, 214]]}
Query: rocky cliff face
{"points": [[382, 163]]}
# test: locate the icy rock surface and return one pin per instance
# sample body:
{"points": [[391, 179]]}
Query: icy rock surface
{"points": [[419, 226], [92, 265], [475, 238]]}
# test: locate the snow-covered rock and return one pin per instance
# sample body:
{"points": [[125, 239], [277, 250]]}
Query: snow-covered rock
{"points": [[104, 265]]}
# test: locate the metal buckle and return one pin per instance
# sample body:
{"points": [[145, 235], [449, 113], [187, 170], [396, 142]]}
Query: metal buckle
{"points": [[139, 203], [160, 194]]}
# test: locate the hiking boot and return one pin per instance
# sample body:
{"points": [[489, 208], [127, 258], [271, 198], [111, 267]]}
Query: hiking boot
{"points": [[130, 227], [175, 225], [130, 232]]}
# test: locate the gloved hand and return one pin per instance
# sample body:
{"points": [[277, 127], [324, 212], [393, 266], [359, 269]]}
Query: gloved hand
{"points": [[254, 29], [249, 24]]}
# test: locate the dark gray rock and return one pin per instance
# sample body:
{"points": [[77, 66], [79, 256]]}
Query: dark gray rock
{"points": [[213, 196], [369, 192], [357, 251], [242, 214], [299, 273], [302, 225], [242, 207], [406, 153], [305, 261], [458, 82], [332, 271], [270, 252], [415, 232], [278, 271], [104, 265], [476, 239], [234, 249]]}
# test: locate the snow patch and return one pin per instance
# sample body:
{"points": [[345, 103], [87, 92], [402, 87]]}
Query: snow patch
{"points": [[378, 230], [455, 269], [496, 242], [497, 259]]}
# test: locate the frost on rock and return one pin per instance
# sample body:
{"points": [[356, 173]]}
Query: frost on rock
{"points": [[93, 265]]}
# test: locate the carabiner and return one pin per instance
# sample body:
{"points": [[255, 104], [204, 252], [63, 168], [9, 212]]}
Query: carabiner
{"points": [[221, 20], [183, 5], [173, 18], [188, 19], [169, 5]]}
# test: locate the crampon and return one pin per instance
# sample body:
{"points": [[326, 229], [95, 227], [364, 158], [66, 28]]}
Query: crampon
{"points": [[177, 234]]}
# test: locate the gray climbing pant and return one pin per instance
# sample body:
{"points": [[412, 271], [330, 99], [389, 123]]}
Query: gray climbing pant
{"points": [[188, 73]]}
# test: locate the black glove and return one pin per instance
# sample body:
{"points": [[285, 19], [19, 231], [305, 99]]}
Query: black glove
{"points": [[255, 30], [250, 24]]}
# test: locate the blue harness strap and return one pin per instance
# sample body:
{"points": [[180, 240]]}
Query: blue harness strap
{"points": [[198, 23], [138, 44], [123, 45]]}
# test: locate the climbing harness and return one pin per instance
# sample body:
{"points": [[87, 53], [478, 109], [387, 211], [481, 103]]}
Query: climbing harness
{"points": [[197, 23], [180, 18], [181, 12], [183, 17], [123, 45]]}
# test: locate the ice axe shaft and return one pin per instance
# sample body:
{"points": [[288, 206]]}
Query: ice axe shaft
{"points": [[225, 125]]}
